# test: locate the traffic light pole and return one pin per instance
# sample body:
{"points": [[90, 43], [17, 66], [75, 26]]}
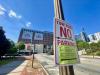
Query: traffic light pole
{"points": [[63, 70]]}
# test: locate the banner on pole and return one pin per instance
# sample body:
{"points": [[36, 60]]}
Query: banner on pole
{"points": [[27, 35], [38, 36], [65, 46]]}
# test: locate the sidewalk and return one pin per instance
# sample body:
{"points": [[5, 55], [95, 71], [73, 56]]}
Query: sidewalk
{"points": [[88, 56], [36, 70], [23, 67], [48, 62]]}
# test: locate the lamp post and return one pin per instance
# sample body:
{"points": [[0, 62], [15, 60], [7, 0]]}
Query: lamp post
{"points": [[63, 70]]}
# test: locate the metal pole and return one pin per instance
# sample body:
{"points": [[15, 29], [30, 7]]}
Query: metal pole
{"points": [[33, 53], [33, 56], [63, 70]]}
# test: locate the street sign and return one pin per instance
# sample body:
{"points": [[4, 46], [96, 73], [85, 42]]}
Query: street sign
{"points": [[65, 46]]}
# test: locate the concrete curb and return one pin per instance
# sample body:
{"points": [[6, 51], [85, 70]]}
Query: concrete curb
{"points": [[87, 56], [42, 67]]}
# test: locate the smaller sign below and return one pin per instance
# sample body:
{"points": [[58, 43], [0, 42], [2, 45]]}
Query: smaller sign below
{"points": [[38, 36], [67, 54]]}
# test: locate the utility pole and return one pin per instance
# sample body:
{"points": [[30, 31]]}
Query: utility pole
{"points": [[63, 70]]}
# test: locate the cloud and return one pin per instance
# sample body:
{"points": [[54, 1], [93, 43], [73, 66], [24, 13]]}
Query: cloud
{"points": [[2, 10], [10, 13], [28, 24], [13, 14], [2, 13]]}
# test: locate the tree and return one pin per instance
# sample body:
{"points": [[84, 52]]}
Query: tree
{"points": [[20, 45], [79, 45], [82, 45], [4, 43], [13, 48], [11, 42], [85, 45], [98, 45], [94, 47]]}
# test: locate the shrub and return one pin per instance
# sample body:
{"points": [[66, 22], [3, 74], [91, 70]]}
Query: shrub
{"points": [[88, 51], [97, 53]]}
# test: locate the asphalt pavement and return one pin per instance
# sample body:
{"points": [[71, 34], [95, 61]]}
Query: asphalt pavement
{"points": [[5, 69], [87, 66]]}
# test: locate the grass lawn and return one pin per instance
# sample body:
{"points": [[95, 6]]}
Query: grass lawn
{"points": [[6, 61]]}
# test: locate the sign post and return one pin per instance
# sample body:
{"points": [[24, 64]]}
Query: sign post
{"points": [[33, 55], [64, 44]]}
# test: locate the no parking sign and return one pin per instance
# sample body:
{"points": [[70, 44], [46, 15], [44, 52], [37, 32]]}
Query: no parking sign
{"points": [[65, 46]]}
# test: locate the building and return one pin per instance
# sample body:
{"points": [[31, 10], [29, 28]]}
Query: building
{"points": [[84, 37], [77, 37], [94, 37], [97, 35], [38, 41]]}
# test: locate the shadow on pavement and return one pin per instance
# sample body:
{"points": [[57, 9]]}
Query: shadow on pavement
{"points": [[5, 69]]}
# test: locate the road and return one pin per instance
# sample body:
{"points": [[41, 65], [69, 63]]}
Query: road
{"points": [[87, 66]]}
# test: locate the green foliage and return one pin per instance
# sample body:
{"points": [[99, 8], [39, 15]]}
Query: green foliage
{"points": [[88, 51], [20, 45], [82, 45], [79, 44], [98, 45], [12, 50], [94, 47], [4, 43], [12, 43], [91, 49], [6, 61], [97, 53]]}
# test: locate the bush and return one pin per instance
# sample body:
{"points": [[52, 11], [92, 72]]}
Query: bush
{"points": [[6, 60], [97, 53], [20, 45], [12, 51], [88, 51]]}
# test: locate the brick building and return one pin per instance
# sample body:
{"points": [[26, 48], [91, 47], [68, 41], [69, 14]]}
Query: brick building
{"points": [[38, 41]]}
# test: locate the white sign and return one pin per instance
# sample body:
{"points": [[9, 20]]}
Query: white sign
{"points": [[65, 45], [38, 36], [27, 35]]}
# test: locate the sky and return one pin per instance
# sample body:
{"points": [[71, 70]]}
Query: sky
{"points": [[39, 15]]}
